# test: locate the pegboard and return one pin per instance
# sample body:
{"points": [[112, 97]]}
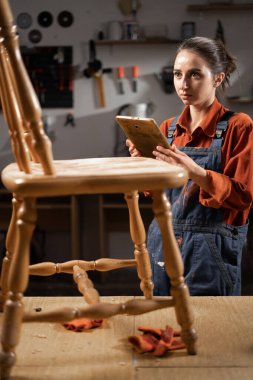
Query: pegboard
{"points": [[51, 72]]}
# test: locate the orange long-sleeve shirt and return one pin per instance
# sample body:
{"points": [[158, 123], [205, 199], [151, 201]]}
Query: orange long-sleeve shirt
{"points": [[233, 189]]}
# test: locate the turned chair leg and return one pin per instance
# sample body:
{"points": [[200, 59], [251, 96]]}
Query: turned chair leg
{"points": [[17, 283], [10, 246], [138, 235], [175, 270]]}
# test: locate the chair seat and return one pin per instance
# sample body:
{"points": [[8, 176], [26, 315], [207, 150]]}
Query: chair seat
{"points": [[94, 175]]}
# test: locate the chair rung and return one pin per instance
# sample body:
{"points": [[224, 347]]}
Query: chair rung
{"points": [[102, 265], [85, 285], [99, 310]]}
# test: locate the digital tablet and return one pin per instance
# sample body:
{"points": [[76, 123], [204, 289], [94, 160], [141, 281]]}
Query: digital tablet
{"points": [[144, 133]]}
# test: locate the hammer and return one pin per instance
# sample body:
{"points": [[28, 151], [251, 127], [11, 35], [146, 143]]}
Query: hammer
{"points": [[94, 70]]}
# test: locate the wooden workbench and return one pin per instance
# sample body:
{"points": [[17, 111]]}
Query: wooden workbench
{"points": [[225, 345]]}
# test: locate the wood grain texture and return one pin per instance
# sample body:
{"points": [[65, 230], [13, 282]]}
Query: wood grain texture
{"points": [[194, 373], [225, 347]]}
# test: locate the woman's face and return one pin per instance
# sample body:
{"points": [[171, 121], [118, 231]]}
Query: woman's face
{"points": [[193, 80]]}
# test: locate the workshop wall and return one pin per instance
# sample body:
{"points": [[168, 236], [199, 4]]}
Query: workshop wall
{"points": [[93, 132]]}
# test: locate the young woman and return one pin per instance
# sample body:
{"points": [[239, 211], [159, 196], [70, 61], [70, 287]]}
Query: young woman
{"points": [[210, 213]]}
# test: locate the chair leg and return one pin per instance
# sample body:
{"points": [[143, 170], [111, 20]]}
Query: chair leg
{"points": [[10, 246], [175, 270], [18, 279], [138, 236]]}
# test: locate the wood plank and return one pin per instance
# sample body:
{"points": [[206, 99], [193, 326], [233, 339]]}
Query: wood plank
{"points": [[194, 373], [49, 351], [225, 345], [224, 328], [78, 371]]}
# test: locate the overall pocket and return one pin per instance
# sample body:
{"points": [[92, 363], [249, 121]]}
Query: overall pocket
{"points": [[213, 264]]}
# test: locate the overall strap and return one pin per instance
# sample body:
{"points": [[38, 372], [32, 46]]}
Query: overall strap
{"points": [[172, 129], [219, 134], [221, 129], [223, 124]]}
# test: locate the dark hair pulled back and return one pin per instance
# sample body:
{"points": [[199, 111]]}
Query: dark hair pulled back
{"points": [[214, 53]]}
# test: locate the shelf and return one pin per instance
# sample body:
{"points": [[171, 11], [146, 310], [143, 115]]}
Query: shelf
{"points": [[113, 216], [55, 214], [149, 41], [220, 7], [116, 201], [241, 99]]}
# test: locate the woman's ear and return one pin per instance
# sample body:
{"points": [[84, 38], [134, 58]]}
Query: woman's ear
{"points": [[218, 79]]}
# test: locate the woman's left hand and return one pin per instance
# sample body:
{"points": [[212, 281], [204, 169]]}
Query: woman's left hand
{"points": [[176, 157]]}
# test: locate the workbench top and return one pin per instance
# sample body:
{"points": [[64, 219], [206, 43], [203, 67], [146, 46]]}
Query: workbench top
{"points": [[225, 344]]}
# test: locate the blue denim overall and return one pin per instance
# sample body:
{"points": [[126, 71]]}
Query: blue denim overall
{"points": [[211, 250]]}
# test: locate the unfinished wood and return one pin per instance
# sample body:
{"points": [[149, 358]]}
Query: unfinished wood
{"points": [[49, 352], [94, 176], [79, 371], [207, 373], [224, 327]]}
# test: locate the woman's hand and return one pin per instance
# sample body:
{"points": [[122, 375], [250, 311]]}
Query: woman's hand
{"points": [[176, 157], [132, 150]]}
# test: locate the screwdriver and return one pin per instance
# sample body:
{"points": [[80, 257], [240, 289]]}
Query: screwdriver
{"points": [[135, 75], [120, 76]]}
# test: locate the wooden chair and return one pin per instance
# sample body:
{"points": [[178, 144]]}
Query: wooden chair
{"points": [[35, 174]]}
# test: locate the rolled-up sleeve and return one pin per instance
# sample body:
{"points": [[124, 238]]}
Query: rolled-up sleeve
{"points": [[233, 189]]}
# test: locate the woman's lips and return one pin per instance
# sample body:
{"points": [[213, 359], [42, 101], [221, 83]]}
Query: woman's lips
{"points": [[185, 96]]}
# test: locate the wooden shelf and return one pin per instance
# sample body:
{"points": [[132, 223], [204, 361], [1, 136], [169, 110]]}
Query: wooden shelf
{"points": [[55, 214], [220, 7], [241, 99], [113, 216], [149, 41]]}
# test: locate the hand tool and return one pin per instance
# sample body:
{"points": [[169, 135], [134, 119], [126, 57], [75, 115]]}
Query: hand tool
{"points": [[94, 70], [135, 75], [120, 76]]}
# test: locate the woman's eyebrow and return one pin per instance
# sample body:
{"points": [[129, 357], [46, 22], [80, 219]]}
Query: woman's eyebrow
{"points": [[190, 70], [195, 69]]}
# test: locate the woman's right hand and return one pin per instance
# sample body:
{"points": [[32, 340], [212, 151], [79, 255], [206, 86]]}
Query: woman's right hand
{"points": [[132, 150]]}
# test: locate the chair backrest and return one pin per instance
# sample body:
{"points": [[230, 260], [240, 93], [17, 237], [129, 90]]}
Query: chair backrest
{"points": [[20, 104]]}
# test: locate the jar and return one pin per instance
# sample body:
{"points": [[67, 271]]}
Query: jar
{"points": [[114, 30], [131, 30], [187, 30]]}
